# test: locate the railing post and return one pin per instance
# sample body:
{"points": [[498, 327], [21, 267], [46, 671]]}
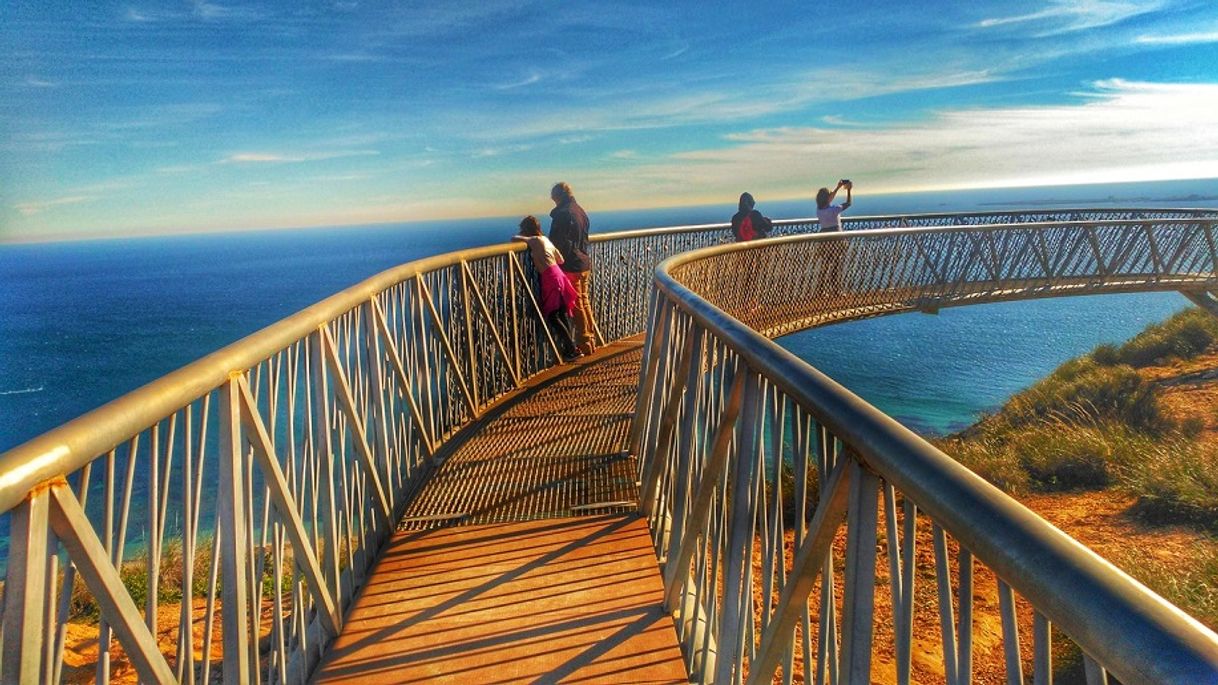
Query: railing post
{"points": [[375, 361], [737, 598], [25, 590], [322, 451], [234, 540], [858, 605]]}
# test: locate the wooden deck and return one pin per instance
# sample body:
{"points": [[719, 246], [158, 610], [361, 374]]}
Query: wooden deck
{"points": [[529, 592]]}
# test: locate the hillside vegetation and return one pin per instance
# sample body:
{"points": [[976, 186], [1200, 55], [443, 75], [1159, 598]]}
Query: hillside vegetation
{"points": [[1134, 427]]}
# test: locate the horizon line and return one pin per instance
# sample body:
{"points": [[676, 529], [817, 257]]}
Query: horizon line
{"points": [[162, 233]]}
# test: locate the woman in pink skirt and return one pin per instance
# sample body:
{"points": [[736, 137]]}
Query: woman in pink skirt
{"points": [[557, 295]]}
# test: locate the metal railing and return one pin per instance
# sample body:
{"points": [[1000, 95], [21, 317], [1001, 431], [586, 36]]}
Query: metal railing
{"points": [[218, 521], [755, 465]]}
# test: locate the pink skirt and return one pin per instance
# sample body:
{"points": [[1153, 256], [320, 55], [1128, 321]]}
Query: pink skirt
{"points": [[556, 291]]}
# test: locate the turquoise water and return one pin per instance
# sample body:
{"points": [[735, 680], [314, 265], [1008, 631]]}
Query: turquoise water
{"points": [[84, 322]]}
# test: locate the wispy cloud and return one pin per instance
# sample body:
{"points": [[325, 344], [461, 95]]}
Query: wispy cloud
{"points": [[292, 158], [1122, 131], [691, 106], [1060, 16], [1179, 38], [532, 77], [35, 82], [213, 11], [39, 206]]}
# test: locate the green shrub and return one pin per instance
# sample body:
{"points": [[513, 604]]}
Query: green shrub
{"points": [[1084, 392], [993, 461], [1175, 481], [1063, 456], [1106, 355], [1183, 336]]}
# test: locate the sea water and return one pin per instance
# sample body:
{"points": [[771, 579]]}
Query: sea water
{"points": [[84, 322]]}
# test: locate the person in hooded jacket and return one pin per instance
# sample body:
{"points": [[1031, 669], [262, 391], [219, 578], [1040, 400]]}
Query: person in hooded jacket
{"points": [[748, 223], [569, 233]]}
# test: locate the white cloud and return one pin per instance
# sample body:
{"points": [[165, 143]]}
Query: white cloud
{"points": [[530, 79], [1179, 38], [1123, 131], [1062, 16], [292, 158], [35, 82], [713, 106], [37, 207]]}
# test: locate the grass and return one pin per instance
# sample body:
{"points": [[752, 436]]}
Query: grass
{"points": [[1096, 423], [1183, 336]]}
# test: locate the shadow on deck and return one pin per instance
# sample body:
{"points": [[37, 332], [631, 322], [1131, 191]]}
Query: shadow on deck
{"points": [[529, 590]]}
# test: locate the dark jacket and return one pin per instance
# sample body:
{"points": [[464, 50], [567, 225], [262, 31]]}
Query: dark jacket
{"points": [[569, 233], [761, 225]]}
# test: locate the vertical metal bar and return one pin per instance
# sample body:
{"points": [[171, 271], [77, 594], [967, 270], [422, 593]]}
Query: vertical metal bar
{"points": [[25, 590], [355, 424], [858, 604], [1010, 634], [947, 621], [649, 492], [646, 372], [374, 360], [964, 649], [73, 528], [468, 317], [908, 570], [404, 380], [69, 584], [806, 568], [517, 341], [678, 564], [1042, 650], [327, 508], [285, 504], [438, 325], [490, 323], [152, 537], [1096, 675], [234, 548], [739, 541], [685, 446]]}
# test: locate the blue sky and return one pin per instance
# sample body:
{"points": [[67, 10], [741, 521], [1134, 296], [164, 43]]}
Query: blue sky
{"points": [[140, 117]]}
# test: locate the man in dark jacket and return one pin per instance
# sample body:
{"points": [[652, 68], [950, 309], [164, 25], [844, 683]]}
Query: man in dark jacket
{"points": [[569, 233], [748, 223]]}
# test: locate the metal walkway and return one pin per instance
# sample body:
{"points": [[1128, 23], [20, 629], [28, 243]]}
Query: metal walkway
{"points": [[533, 591]]}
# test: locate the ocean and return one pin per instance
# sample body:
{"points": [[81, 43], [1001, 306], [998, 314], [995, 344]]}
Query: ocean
{"points": [[84, 322]]}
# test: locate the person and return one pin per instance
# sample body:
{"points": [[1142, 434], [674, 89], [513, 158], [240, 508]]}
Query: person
{"points": [[557, 296], [828, 215], [748, 223], [569, 233]]}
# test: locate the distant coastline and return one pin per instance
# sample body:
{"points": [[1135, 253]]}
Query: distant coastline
{"points": [[1111, 199]]}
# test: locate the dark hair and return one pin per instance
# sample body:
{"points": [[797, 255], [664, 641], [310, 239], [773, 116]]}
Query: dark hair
{"points": [[747, 202], [530, 226], [822, 198], [560, 191]]}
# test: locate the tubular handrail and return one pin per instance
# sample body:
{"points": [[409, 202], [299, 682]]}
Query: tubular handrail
{"points": [[706, 335], [276, 466], [67, 447]]}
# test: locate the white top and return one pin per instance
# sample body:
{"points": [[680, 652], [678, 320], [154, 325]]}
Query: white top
{"points": [[828, 218], [545, 255]]}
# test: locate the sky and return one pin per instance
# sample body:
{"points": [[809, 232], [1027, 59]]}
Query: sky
{"points": [[124, 118]]}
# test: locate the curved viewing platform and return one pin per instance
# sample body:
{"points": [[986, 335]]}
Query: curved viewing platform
{"points": [[404, 483]]}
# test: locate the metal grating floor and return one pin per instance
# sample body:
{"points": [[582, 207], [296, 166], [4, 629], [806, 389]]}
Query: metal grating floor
{"points": [[558, 449]]}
